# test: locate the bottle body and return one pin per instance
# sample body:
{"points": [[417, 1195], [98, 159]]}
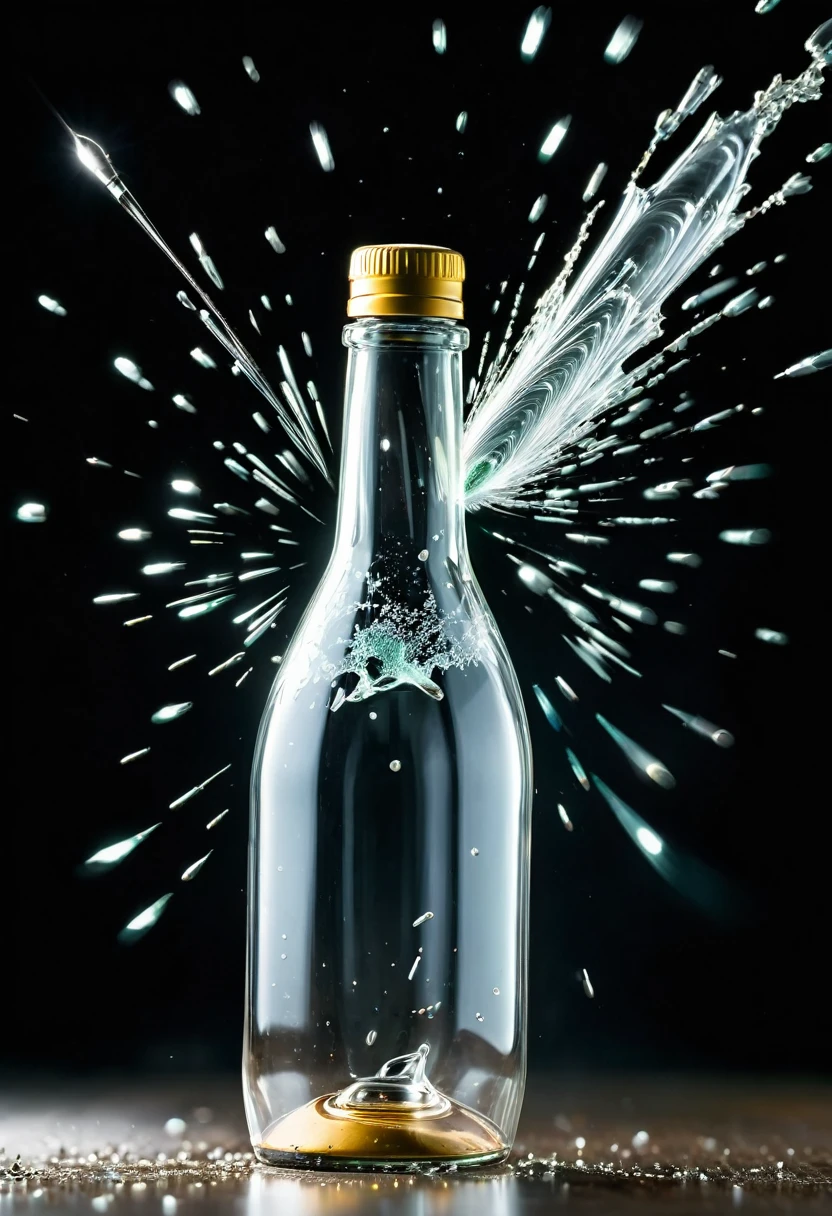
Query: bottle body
{"points": [[391, 789]]}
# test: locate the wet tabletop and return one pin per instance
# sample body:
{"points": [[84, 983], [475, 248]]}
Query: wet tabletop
{"points": [[590, 1145]]}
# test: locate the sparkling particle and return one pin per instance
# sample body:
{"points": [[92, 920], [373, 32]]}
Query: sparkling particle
{"points": [[537, 25], [131, 756], [623, 40], [162, 567], [320, 142], [812, 363], [746, 536], [31, 513], [554, 139], [146, 919], [275, 241], [203, 359], [395, 766], [169, 713], [54, 307], [131, 371], [773, 636], [115, 853], [116, 597], [194, 869], [568, 692], [184, 97], [598, 175], [538, 207]]}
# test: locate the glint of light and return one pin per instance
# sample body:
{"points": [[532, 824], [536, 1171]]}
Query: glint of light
{"points": [[649, 841]]}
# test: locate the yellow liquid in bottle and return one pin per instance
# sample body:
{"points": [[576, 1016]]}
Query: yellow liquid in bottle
{"points": [[395, 1119]]}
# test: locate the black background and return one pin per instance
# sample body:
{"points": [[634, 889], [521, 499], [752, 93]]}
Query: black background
{"points": [[675, 987]]}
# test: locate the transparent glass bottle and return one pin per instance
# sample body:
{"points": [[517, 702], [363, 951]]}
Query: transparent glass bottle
{"points": [[391, 791]]}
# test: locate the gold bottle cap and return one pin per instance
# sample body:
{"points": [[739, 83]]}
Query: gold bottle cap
{"points": [[406, 281]]}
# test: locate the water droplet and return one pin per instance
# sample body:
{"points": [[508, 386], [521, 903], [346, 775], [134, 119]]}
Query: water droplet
{"points": [[496, 991], [420, 920], [320, 142], [114, 853], [58, 309], [554, 139], [423, 555], [395, 766], [183, 97], [587, 984], [746, 536], [537, 25], [251, 70], [169, 713], [538, 207], [145, 920], [175, 1127], [31, 513], [480, 1017], [623, 40], [475, 852], [439, 36], [773, 636], [274, 240], [372, 1035], [194, 869]]}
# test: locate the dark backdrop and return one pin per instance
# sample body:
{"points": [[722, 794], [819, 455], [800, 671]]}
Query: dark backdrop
{"points": [[675, 988]]}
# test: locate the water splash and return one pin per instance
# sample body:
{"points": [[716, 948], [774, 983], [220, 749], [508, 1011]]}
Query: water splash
{"points": [[296, 425], [534, 400], [403, 646], [568, 364]]}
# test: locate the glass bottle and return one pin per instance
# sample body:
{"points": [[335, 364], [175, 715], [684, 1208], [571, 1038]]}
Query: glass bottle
{"points": [[391, 789]]}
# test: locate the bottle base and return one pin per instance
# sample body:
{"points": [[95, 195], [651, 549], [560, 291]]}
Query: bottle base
{"points": [[311, 1137]]}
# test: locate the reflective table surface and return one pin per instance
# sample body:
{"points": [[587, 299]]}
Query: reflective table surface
{"points": [[591, 1145]]}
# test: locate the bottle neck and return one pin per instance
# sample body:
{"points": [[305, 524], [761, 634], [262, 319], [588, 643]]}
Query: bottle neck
{"points": [[401, 492]]}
